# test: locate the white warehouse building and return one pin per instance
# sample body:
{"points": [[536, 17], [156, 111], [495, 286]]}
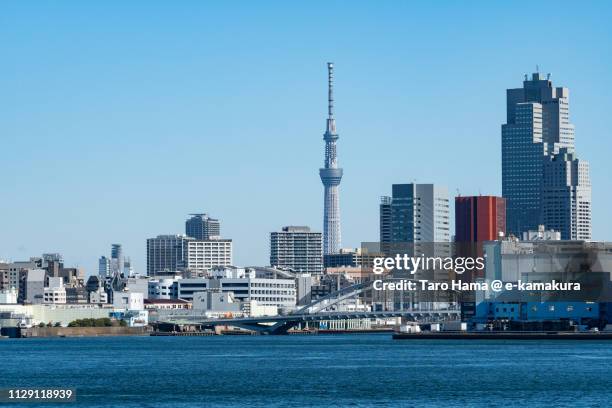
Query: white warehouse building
{"points": [[244, 284]]}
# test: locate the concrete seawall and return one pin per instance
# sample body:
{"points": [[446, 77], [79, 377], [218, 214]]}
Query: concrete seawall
{"points": [[83, 331]]}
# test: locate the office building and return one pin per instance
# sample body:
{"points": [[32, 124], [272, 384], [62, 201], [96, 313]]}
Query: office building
{"points": [[415, 213], [202, 227], [331, 175], [566, 196], [479, 218], [537, 129], [244, 284], [297, 248]]}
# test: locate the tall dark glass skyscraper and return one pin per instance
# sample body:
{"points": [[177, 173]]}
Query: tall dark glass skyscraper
{"points": [[537, 141]]}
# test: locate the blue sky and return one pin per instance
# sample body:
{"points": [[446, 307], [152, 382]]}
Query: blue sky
{"points": [[117, 119]]}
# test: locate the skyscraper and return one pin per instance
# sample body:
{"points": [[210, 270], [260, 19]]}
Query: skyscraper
{"points": [[566, 196], [522, 167], [297, 248], [415, 213], [331, 175], [201, 226], [479, 218], [536, 139]]}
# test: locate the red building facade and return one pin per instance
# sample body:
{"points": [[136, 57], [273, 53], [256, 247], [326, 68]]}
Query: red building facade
{"points": [[479, 218]]}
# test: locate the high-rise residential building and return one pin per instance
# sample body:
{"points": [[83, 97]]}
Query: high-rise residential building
{"points": [[201, 226], [566, 196], [297, 248], [537, 130], [180, 252], [479, 218], [166, 253], [205, 254], [104, 266], [331, 175], [415, 213]]}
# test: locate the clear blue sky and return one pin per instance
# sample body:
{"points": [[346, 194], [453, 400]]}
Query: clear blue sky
{"points": [[119, 118]]}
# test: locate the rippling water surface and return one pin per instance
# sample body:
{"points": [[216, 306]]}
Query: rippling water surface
{"points": [[340, 370]]}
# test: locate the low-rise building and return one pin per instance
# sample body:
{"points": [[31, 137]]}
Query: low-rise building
{"points": [[163, 288], [166, 304], [55, 292], [542, 234], [215, 303], [348, 257], [8, 296], [245, 286], [128, 300]]}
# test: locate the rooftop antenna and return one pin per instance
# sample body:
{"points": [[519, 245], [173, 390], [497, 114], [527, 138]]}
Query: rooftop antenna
{"points": [[537, 69], [330, 91], [548, 76]]}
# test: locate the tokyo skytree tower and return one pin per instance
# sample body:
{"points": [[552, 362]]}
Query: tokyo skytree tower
{"points": [[331, 175]]}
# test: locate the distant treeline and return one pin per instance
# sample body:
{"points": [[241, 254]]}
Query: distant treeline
{"points": [[101, 322]]}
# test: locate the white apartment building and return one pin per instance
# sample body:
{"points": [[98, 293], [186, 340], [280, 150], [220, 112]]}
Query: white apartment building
{"points": [[179, 252], [205, 254], [55, 292]]}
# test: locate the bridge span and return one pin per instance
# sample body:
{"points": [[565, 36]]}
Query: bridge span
{"points": [[319, 310], [282, 323]]}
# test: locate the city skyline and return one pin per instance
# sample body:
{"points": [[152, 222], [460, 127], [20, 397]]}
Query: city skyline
{"points": [[99, 171]]}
